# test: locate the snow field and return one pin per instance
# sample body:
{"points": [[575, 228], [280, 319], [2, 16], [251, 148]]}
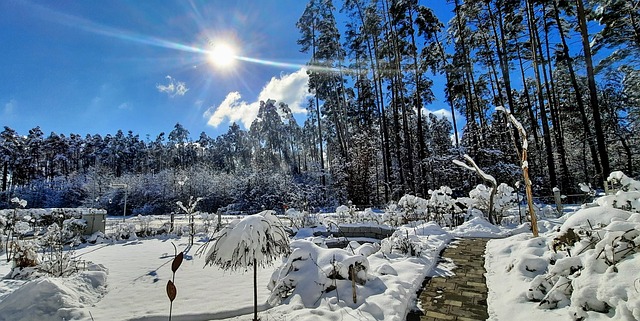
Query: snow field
{"points": [[584, 265]]}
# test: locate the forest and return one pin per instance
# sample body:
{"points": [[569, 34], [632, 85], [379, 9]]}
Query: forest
{"points": [[566, 69]]}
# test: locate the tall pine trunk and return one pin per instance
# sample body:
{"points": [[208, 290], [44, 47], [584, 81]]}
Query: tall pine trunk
{"points": [[565, 174], [574, 83], [543, 113], [593, 92]]}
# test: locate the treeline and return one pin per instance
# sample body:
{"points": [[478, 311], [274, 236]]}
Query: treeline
{"points": [[568, 70], [272, 165]]}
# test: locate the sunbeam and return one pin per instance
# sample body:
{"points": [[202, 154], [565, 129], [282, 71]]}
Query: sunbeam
{"points": [[104, 30], [224, 57]]}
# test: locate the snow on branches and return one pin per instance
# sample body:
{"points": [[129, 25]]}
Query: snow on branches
{"points": [[517, 124], [486, 177], [474, 167], [258, 238]]}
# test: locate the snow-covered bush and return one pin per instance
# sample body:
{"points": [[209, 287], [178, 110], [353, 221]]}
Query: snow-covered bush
{"points": [[443, 208], [402, 242], [311, 272], [124, 231], [392, 215], [145, 226], [11, 228], [301, 219], [504, 199], [25, 254], [369, 216], [628, 195], [59, 264], [623, 182], [413, 207], [208, 220], [346, 214], [593, 265], [97, 238], [55, 260], [74, 230]]}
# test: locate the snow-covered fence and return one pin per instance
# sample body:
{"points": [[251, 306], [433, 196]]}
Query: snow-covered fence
{"points": [[149, 225]]}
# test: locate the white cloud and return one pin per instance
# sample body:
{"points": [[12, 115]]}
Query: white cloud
{"points": [[447, 114], [441, 113], [125, 105], [233, 109], [10, 107], [173, 88], [291, 89]]}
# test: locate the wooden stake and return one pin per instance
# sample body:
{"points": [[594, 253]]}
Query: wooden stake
{"points": [[352, 269], [527, 184]]}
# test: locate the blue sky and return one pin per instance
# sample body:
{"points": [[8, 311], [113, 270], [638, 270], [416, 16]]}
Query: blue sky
{"points": [[90, 67]]}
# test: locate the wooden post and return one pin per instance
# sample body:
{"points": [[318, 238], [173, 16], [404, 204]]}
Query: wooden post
{"points": [[255, 289], [527, 182], [352, 271], [525, 169], [557, 197]]}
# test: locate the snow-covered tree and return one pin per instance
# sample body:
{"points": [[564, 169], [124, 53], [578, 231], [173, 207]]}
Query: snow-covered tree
{"points": [[256, 240], [190, 210]]}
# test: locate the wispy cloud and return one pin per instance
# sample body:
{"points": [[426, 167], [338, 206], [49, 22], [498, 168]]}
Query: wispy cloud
{"points": [[125, 105], [173, 88], [291, 89], [198, 103], [10, 107]]}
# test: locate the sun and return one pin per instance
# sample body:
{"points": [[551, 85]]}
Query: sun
{"points": [[222, 55]]}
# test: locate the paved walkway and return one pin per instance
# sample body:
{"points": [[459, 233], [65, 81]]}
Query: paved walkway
{"points": [[462, 296]]}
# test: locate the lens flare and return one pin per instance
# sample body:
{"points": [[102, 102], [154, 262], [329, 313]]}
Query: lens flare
{"points": [[222, 55]]}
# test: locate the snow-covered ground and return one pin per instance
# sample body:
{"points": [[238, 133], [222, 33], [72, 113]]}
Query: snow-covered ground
{"points": [[127, 280]]}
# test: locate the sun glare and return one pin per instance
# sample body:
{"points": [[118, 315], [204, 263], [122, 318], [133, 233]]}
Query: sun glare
{"points": [[222, 55]]}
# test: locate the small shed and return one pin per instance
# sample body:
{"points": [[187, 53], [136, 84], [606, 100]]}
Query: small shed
{"points": [[96, 220]]}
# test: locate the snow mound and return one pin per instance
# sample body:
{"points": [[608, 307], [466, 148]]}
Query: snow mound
{"points": [[478, 227], [55, 298], [425, 229], [600, 215], [586, 270], [310, 271]]}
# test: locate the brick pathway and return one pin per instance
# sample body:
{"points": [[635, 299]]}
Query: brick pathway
{"points": [[462, 296]]}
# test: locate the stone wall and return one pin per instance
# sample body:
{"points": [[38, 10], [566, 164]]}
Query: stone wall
{"points": [[350, 231]]}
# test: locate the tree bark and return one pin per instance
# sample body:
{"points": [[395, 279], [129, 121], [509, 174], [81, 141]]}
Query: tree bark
{"points": [[593, 93], [5, 175], [543, 113], [576, 88]]}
